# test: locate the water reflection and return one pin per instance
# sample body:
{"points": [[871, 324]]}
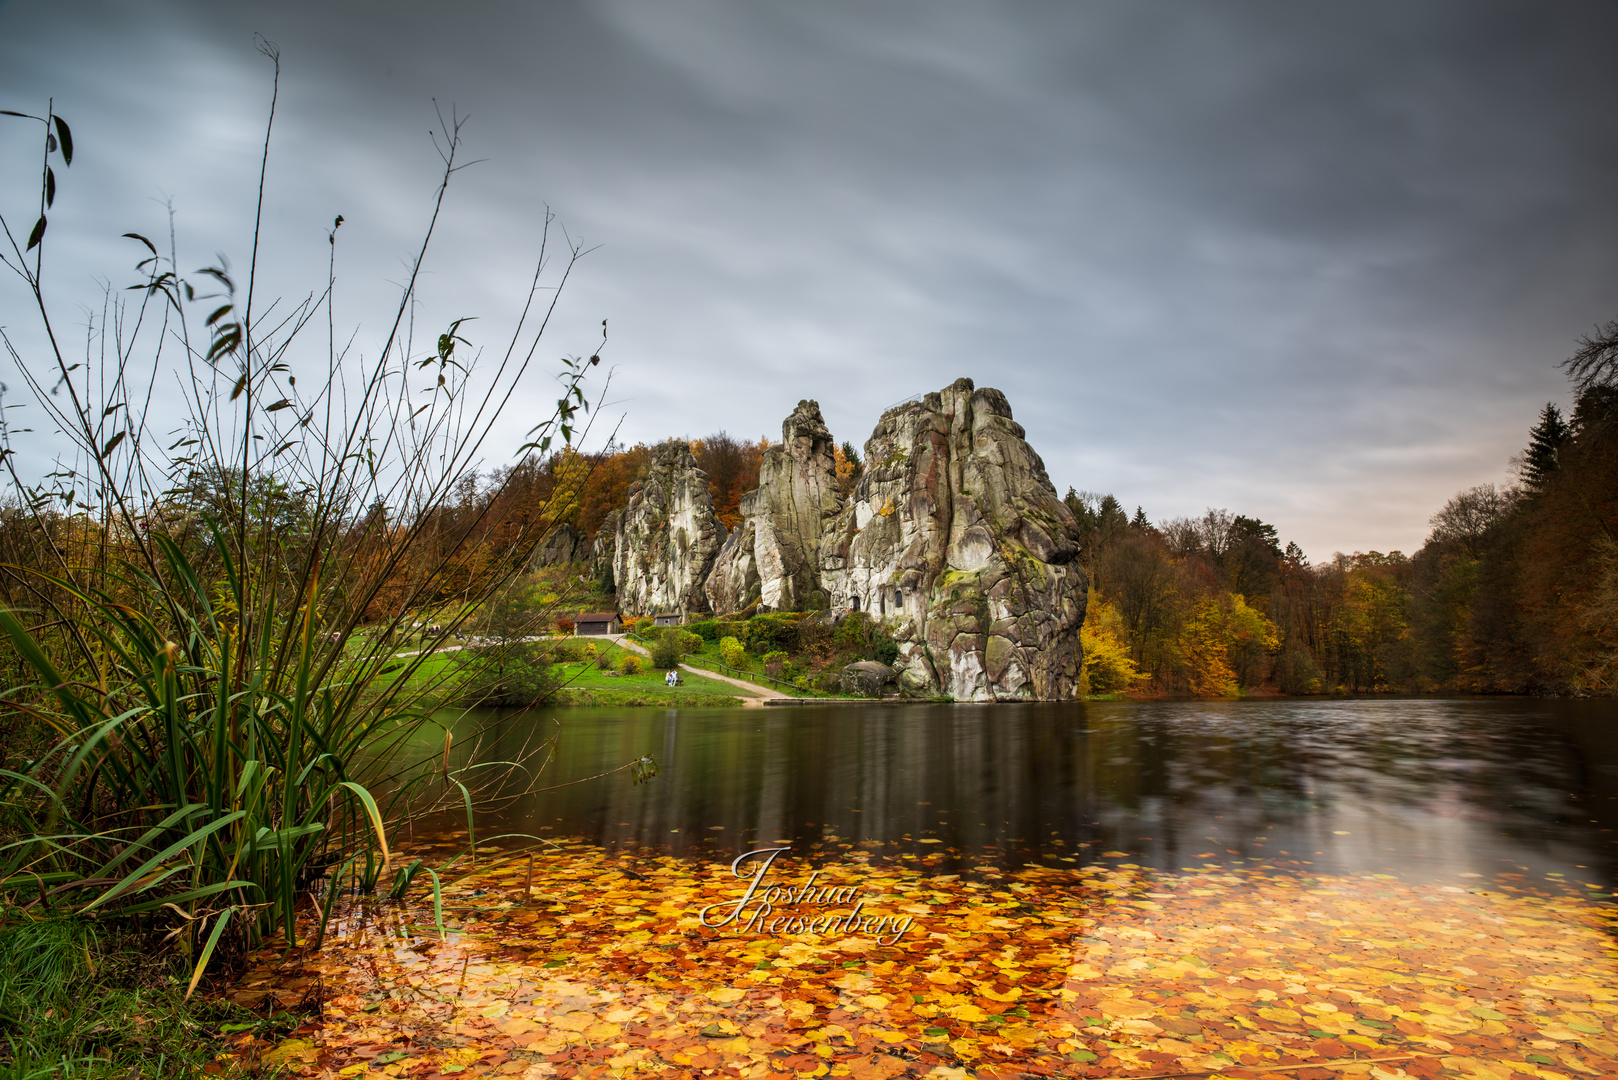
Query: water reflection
{"points": [[1487, 787]]}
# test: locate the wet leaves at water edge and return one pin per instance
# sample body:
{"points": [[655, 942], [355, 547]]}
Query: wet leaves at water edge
{"points": [[592, 972]]}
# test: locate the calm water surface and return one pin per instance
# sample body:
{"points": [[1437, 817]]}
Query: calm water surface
{"points": [[1524, 793]]}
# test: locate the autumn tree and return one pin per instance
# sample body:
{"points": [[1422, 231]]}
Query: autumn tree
{"points": [[732, 466], [849, 468]]}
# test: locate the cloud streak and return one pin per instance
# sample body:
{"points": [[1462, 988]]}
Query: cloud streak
{"points": [[1314, 263]]}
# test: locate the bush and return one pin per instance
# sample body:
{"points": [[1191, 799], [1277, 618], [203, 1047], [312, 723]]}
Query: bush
{"points": [[706, 630], [854, 631], [565, 626], [774, 662], [884, 650], [731, 652], [604, 659], [505, 675], [812, 634], [765, 633], [667, 649], [630, 664], [690, 643]]}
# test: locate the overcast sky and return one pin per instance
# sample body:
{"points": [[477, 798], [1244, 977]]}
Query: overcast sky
{"points": [[1312, 262]]}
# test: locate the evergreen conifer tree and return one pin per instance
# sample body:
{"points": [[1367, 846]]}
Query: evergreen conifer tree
{"points": [[1544, 441]]}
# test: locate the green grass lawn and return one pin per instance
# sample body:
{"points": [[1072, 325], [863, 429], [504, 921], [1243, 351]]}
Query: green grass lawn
{"points": [[586, 684]]}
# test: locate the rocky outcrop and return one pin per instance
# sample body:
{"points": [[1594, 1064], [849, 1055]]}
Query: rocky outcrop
{"points": [[734, 583], [953, 539], [562, 546], [773, 557], [604, 545], [665, 540], [956, 538], [865, 678]]}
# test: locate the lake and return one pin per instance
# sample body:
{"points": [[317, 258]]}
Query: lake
{"points": [[1523, 793]]}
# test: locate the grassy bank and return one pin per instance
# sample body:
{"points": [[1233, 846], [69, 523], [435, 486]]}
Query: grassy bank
{"points": [[587, 684], [78, 999]]}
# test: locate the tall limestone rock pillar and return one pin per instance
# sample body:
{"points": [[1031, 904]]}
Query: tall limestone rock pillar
{"points": [[666, 539], [956, 538], [773, 558]]}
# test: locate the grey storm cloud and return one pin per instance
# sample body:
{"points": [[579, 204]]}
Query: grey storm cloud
{"points": [[1312, 262]]}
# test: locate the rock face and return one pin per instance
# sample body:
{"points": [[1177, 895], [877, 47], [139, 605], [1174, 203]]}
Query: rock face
{"points": [[665, 540], [734, 583], [956, 539], [773, 557], [561, 547]]}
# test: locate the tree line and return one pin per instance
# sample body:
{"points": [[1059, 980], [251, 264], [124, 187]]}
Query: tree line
{"points": [[1515, 590]]}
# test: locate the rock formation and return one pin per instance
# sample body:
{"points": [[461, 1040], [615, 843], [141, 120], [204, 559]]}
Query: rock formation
{"points": [[734, 583], [865, 678], [773, 557], [956, 538], [665, 540], [562, 546]]}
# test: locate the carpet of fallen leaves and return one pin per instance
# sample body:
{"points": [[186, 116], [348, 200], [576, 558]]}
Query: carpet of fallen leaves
{"points": [[589, 963]]}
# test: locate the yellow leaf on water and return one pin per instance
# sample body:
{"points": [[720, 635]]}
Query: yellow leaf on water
{"points": [[1280, 1016], [725, 994], [1010, 995], [969, 1013], [574, 1021]]}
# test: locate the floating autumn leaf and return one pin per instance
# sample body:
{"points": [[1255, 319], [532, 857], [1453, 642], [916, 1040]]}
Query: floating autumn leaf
{"points": [[1101, 971]]}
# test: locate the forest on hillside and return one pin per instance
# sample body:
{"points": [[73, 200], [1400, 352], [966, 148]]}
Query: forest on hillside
{"points": [[1515, 590]]}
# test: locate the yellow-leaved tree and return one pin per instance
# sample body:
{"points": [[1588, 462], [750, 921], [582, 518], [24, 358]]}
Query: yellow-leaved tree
{"points": [[1226, 645], [1108, 668]]}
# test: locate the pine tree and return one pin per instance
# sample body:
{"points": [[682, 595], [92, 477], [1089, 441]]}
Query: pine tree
{"points": [[1544, 441]]}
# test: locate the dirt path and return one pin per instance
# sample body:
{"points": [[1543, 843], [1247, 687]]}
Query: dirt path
{"points": [[757, 694]]}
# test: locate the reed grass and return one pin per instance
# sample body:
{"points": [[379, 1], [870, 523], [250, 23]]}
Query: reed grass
{"points": [[213, 689]]}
